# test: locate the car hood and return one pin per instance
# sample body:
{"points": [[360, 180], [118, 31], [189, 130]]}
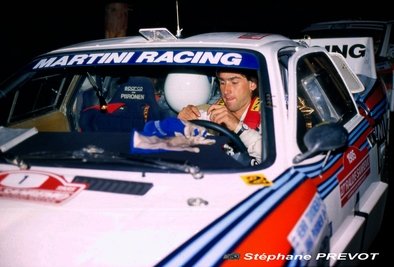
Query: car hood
{"points": [[98, 228]]}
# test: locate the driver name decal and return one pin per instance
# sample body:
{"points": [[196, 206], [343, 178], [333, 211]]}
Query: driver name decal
{"points": [[188, 57], [37, 186]]}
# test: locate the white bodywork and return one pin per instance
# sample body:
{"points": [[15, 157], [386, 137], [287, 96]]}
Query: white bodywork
{"points": [[216, 213]]}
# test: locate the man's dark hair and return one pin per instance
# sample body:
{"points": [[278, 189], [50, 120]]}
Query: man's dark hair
{"points": [[250, 75]]}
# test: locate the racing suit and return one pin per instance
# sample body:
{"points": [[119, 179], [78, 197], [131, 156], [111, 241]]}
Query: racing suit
{"points": [[252, 135]]}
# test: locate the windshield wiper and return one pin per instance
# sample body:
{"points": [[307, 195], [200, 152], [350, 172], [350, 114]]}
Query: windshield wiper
{"points": [[93, 154], [15, 160]]}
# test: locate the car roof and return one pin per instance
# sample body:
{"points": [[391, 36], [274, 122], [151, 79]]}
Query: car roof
{"points": [[214, 39]]}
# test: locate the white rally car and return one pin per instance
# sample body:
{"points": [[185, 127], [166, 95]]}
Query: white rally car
{"points": [[75, 191]]}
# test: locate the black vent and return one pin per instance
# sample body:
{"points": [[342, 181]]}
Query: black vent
{"points": [[114, 186]]}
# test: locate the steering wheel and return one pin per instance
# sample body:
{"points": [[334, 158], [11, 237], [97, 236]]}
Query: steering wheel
{"points": [[241, 154]]}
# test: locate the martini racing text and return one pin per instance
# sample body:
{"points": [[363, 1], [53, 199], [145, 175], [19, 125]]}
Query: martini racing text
{"points": [[218, 58]]}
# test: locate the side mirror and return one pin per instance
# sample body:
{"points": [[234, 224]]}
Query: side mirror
{"points": [[323, 138]]}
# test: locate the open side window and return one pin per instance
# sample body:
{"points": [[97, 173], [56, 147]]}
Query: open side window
{"points": [[36, 96], [322, 95]]}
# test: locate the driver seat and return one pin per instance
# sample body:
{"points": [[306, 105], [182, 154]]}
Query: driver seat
{"points": [[131, 106]]}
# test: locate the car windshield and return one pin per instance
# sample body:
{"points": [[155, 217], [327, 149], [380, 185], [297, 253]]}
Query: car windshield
{"points": [[118, 99]]}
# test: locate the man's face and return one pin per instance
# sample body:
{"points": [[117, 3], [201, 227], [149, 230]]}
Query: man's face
{"points": [[236, 90]]}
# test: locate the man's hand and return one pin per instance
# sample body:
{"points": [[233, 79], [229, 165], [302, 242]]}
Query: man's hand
{"points": [[221, 115], [189, 112]]}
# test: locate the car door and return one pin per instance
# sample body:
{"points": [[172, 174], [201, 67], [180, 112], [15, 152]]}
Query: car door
{"points": [[318, 95]]}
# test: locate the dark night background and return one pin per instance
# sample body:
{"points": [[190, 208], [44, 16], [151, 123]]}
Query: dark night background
{"points": [[28, 29]]}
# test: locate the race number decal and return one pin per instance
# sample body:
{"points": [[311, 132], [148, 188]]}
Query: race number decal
{"points": [[310, 229], [256, 179], [37, 186]]}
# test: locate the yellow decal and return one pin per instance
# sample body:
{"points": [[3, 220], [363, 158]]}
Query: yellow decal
{"points": [[256, 179], [256, 104]]}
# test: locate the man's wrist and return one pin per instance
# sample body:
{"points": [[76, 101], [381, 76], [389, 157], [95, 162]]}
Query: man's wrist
{"points": [[241, 128]]}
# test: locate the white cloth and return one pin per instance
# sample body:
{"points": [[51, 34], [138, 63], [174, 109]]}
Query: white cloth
{"points": [[179, 142]]}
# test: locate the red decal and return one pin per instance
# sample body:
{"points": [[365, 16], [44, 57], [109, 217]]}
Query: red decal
{"points": [[110, 108], [37, 186], [359, 164]]}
